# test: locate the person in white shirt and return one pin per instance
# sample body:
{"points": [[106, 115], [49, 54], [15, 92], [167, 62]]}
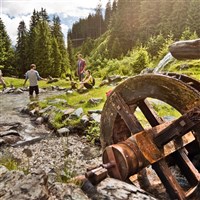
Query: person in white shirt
{"points": [[33, 76]]}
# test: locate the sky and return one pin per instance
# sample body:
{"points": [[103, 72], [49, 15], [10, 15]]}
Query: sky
{"points": [[69, 11]]}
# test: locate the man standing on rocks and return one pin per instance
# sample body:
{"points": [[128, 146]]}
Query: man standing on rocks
{"points": [[33, 77]]}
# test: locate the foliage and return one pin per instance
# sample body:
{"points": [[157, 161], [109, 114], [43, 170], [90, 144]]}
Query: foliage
{"points": [[64, 175], [131, 36], [9, 162], [6, 51], [134, 63], [135, 22], [188, 67], [165, 48], [93, 132], [154, 44], [43, 44], [165, 110], [188, 35]]}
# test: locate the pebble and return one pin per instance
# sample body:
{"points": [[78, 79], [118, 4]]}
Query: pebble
{"points": [[52, 153]]}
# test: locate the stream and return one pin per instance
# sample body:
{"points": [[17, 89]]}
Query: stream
{"points": [[10, 114]]}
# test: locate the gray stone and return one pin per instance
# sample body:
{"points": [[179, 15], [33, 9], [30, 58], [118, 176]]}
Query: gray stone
{"points": [[69, 91], [115, 189], [95, 100], [115, 78], [104, 82], [84, 119], [25, 110], [39, 120], [68, 111], [18, 91], [77, 113], [15, 185], [8, 90], [58, 101], [60, 191], [9, 132], [63, 131], [95, 117], [45, 110]]}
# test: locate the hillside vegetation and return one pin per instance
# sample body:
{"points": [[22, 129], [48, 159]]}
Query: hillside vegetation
{"points": [[125, 39]]}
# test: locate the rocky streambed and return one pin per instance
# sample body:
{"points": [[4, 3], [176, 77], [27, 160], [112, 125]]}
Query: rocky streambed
{"points": [[49, 161]]}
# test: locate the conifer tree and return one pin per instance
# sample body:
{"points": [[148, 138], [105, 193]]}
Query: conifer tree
{"points": [[21, 49], [70, 51], [193, 20], [178, 17], [108, 14], [43, 50], [6, 50], [99, 22], [56, 31], [31, 41], [56, 59]]}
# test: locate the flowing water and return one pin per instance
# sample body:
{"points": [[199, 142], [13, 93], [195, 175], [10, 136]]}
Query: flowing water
{"points": [[167, 58], [10, 107]]}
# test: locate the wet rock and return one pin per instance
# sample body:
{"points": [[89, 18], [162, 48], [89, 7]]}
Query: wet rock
{"points": [[9, 132], [42, 90], [25, 110], [33, 104], [34, 112], [18, 91], [8, 90]]}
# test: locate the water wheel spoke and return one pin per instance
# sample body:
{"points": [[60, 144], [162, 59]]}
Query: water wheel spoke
{"points": [[150, 113], [126, 114]]}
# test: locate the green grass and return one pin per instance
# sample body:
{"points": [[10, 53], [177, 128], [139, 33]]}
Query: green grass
{"points": [[16, 82], [188, 67], [77, 100]]}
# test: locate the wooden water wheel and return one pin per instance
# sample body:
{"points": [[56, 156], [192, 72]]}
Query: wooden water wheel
{"points": [[119, 123]]}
